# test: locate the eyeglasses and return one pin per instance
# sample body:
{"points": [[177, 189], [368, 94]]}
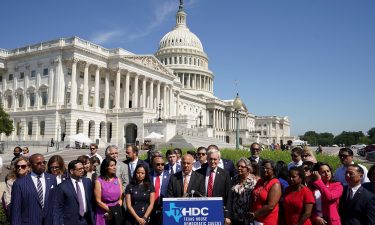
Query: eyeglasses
{"points": [[343, 156], [304, 156], [41, 163], [241, 166], [201, 153], [255, 149], [20, 166], [159, 164], [54, 168], [92, 148], [79, 168]]}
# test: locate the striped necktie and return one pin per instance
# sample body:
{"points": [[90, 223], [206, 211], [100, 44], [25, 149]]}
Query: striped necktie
{"points": [[40, 191]]}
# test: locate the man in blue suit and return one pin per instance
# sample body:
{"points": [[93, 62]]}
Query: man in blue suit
{"points": [[73, 203], [32, 197], [160, 179], [172, 167], [225, 164]]}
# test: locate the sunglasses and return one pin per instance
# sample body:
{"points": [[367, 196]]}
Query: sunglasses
{"points": [[255, 149], [92, 148], [344, 156], [21, 166], [241, 166], [201, 153], [41, 163], [54, 168], [159, 164]]}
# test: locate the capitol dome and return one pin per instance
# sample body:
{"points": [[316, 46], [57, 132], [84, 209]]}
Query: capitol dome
{"points": [[180, 37]]}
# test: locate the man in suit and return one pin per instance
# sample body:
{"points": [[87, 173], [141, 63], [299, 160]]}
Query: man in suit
{"points": [[201, 158], [217, 181], [32, 195], [255, 150], [73, 203], [172, 167], [225, 163], [160, 178], [132, 160], [182, 184], [357, 205], [122, 170]]}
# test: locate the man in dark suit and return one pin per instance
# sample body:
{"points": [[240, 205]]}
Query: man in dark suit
{"points": [[73, 203], [132, 159], [182, 184], [172, 167], [357, 205], [255, 150], [217, 181], [225, 164], [32, 197], [160, 178]]}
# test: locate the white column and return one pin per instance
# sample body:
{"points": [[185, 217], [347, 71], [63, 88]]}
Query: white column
{"points": [[58, 91], [183, 80], [188, 81], [214, 118], [73, 88], [158, 100], [170, 101], [86, 85], [26, 85], [135, 93], [97, 79], [151, 105], [127, 84], [51, 78], [178, 105], [118, 88], [106, 91], [165, 100], [144, 93]]}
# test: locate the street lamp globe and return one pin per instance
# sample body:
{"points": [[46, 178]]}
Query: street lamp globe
{"points": [[237, 103]]}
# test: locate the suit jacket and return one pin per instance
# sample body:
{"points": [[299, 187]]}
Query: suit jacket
{"points": [[229, 167], [176, 185], [330, 201], [260, 161], [178, 168], [122, 172], [66, 205], [26, 208], [358, 211], [145, 164], [164, 183], [221, 188]]}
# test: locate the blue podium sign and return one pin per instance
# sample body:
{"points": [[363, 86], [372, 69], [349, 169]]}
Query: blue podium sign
{"points": [[193, 211]]}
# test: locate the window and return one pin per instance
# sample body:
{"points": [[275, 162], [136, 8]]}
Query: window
{"points": [[111, 104], [120, 85], [20, 100], [33, 74], [18, 128], [9, 101], [102, 80], [1, 78], [67, 97], [10, 77], [91, 101], [69, 71], [32, 99], [81, 75], [44, 97], [42, 127], [102, 103], [92, 78], [29, 128], [22, 75], [45, 72], [112, 83], [80, 99]]}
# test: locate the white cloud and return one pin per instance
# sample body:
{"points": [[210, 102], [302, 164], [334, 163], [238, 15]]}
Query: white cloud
{"points": [[106, 36]]}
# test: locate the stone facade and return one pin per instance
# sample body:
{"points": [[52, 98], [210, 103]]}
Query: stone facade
{"points": [[66, 86]]}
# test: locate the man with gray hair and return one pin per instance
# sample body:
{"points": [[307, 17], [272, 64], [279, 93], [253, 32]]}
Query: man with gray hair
{"points": [[225, 163], [122, 171]]}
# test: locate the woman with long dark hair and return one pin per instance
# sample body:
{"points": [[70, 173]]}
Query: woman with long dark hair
{"points": [[108, 194], [56, 167], [139, 195]]}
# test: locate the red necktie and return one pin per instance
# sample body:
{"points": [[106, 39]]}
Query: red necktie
{"points": [[157, 188], [210, 184]]}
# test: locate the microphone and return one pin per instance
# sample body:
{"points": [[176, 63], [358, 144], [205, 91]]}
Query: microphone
{"points": [[195, 193]]}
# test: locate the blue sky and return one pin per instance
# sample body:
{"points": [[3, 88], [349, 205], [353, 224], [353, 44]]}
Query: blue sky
{"points": [[313, 60]]}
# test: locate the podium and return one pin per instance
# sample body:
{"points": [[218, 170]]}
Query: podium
{"points": [[193, 211]]}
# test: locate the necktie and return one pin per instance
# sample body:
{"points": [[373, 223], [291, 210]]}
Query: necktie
{"points": [[131, 169], [80, 200], [157, 188], [350, 193], [186, 183], [210, 185], [172, 172], [349, 196], [40, 191]]}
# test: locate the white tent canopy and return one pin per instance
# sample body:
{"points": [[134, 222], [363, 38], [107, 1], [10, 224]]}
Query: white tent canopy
{"points": [[80, 138], [298, 142], [154, 135]]}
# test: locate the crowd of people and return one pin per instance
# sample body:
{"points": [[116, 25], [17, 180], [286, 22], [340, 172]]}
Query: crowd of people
{"points": [[106, 191]]}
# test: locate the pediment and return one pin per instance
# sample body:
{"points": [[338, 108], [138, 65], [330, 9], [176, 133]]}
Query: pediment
{"points": [[150, 62]]}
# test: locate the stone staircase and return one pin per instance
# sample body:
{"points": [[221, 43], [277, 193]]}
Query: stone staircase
{"points": [[193, 142]]}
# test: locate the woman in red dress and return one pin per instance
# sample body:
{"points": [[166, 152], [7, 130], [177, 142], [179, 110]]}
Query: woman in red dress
{"points": [[298, 199], [266, 195]]}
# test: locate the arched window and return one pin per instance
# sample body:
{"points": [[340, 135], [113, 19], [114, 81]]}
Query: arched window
{"points": [[42, 127], [30, 128]]}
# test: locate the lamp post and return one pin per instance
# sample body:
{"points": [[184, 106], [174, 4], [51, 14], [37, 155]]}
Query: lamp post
{"points": [[237, 104], [200, 118], [159, 110]]}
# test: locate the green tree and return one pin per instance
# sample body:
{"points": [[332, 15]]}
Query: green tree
{"points": [[371, 135], [349, 138], [311, 137], [6, 124], [325, 139]]}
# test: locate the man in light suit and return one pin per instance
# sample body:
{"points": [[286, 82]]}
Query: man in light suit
{"points": [[73, 203], [122, 170], [32, 195], [225, 164], [217, 181], [160, 178], [357, 205], [132, 160], [182, 184]]}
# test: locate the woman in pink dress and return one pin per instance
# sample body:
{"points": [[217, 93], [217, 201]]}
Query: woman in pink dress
{"points": [[108, 192]]}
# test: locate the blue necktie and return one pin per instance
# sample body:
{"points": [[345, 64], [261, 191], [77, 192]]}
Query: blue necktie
{"points": [[40, 191]]}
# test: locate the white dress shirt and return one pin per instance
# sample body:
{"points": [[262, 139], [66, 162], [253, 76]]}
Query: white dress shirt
{"points": [[34, 177]]}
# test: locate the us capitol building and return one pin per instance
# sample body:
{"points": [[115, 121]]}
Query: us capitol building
{"points": [[67, 86]]}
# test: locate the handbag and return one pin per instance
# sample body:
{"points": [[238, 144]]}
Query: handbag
{"points": [[116, 215]]}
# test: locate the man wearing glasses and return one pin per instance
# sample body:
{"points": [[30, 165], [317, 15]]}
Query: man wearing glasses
{"points": [[346, 158], [201, 158], [255, 151], [31, 195], [94, 152]]}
